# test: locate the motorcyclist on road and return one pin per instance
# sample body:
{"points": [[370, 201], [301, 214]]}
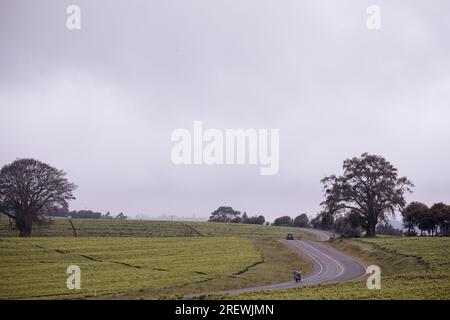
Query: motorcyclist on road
{"points": [[297, 275]]}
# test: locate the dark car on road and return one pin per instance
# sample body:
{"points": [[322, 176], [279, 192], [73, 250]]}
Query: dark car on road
{"points": [[290, 236]]}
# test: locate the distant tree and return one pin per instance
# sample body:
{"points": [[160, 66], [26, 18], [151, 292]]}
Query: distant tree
{"points": [[301, 221], [339, 224], [428, 223], [434, 221], [324, 220], [412, 215], [235, 220], [349, 225], [254, 220], [350, 232], [260, 219], [387, 229], [315, 222], [85, 214], [369, 186], [224, 214], [441, 212], [283, 221], [244, 216], [121, 216], [108, 216], [57, 212], [29, 188]]}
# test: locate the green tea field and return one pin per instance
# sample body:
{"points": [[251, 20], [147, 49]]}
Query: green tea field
{"points": [[143, 259], [149, 228], [36, 267]]}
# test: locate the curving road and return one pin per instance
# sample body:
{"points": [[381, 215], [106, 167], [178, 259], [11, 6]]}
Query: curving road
{"points": [[330, 265]]}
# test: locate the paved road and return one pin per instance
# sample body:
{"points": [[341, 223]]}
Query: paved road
{"points": [[330, 265]]}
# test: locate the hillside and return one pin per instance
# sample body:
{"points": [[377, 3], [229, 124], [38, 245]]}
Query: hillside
{"points": [[143, 259], [412, 268], [148, 228]]}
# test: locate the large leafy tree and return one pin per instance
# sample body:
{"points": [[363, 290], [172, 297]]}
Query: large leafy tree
{"points": [[369, 186], [29, 188], [224, 214]]}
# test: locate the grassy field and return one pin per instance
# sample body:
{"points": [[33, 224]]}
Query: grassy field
{"points": [[143, 259], [412, 268], [36, 267], [57, 227], [214, 229], [146, 228]]}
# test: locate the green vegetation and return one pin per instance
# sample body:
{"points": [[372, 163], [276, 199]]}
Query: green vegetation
{"points": [[184, 258], [29, 188], [36, 267], [58, 227], [368, 190], [213, 229], [435, 220], [279, 260], [412, 268]]}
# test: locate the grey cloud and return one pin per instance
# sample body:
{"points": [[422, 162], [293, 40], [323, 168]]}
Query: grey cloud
{"points": [[102, 102]]}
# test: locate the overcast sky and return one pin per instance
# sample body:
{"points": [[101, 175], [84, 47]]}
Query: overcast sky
{"points": [[101, 102]]}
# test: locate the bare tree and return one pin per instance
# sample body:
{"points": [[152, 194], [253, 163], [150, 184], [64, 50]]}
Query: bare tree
{"points": [[29, 188], [369, 186]]}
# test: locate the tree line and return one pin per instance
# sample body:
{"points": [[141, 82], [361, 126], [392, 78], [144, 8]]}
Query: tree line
{"points": [[359, 201], [229, 215], [435, 221], [83, 214], [370, 190]]}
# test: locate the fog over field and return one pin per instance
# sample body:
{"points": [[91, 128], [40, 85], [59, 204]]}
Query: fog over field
{"points": [[102, 102]]}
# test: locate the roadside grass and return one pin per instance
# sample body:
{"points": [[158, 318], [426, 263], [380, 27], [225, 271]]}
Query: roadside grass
{"points": [[412, 268], [36, 267], [368, 252]]}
